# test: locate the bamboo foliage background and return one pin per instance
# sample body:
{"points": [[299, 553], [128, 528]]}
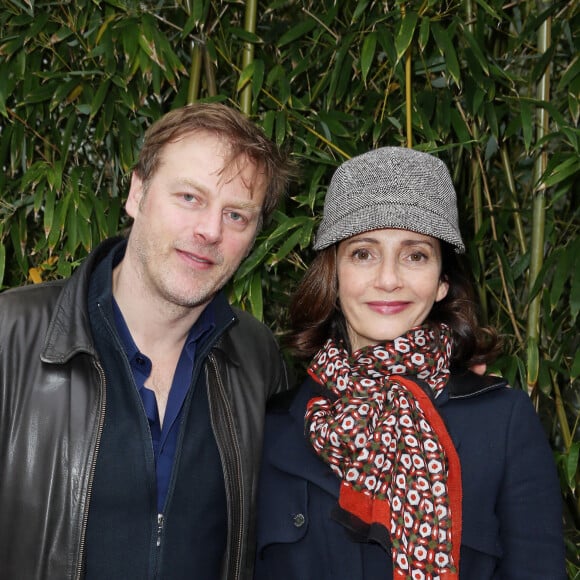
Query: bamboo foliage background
{"points": [[493, 88]]}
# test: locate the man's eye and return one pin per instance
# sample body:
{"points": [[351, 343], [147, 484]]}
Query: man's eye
{"points": [[236, 218]]}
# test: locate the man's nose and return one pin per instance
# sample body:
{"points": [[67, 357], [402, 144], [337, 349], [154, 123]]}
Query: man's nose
{"points": [[209, 226]]}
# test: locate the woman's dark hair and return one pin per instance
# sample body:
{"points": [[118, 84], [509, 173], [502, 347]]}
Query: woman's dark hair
{"points": [[315, 315]]}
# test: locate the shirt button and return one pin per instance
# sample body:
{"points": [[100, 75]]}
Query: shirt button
{"points": [[299, 520]]}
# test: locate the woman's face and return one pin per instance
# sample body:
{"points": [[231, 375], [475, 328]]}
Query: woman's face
{"points": [[388, 281]]}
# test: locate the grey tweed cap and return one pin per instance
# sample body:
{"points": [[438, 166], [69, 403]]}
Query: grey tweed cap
{"points": [[390, 187]]}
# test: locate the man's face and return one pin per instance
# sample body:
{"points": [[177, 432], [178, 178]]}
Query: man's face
{"points": [[195, 223]]}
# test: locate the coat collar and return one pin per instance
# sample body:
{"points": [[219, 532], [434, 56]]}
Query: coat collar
{"points": [[290, 451]]}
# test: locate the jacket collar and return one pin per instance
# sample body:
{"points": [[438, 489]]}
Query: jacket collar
{"points": [[465, 383], [69, 332]]}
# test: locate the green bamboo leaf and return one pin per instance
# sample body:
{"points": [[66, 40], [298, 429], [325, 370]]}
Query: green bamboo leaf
{"points": [[306, 233], [54, 175], [571, 73], [368, 53], [405, 33], [18, 235], [444, 41], [332, 121], [253, 260], [83, 230], [245, 35], [126, 142], [541, 66], [527, 124], [359, 10], [288, 223], [280, 127], [575, 286], [246, 75], [477, 50], [571, 463], [49, 202], [59, 222], [568, 168], [255, 296], [99, 97], [575, 368], [297, 32], [533, 359], [258, 77], [3, 110], [268, 122], [130, 39], [344, 78], [2, 263], [290, 244], [460, 127], [67, 136], [490, 10], [424, 30], [328, 82], [564, 261], [71, 230], [40, 94]]}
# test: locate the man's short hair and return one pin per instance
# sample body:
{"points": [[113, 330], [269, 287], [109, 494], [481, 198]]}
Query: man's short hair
{"points": [[243, 138]]}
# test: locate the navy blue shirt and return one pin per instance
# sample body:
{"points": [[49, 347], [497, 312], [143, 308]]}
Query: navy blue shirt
{"points": [[164, 437]]}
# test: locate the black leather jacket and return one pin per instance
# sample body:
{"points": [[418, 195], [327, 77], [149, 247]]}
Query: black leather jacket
{"points": [[52, 406]]}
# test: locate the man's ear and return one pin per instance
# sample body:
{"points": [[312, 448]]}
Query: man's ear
{"points": [[135, 196]]}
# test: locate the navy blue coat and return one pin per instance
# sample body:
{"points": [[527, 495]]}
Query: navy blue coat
{"points": [[512, 512]]}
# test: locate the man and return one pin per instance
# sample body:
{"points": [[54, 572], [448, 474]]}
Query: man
{"points": [[132, 395]]}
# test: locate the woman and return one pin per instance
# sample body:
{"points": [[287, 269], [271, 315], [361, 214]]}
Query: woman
{"points": [[393, 460]]}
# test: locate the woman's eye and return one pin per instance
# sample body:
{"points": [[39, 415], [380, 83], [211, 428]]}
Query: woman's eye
{"points": [[417, 256], [188, 197], [361, 254]]}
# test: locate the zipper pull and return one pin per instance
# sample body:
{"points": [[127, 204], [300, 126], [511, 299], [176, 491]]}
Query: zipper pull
{"points": [[159, 528]]}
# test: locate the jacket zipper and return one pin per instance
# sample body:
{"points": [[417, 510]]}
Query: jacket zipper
{"points": [[159, 528], [232, 467], [81, 555]]}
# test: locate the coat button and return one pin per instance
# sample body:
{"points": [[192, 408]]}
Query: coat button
{"points": [[299, 520]]}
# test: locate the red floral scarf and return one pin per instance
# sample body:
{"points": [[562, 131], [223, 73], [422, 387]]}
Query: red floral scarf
{"points": [[382, 436]]}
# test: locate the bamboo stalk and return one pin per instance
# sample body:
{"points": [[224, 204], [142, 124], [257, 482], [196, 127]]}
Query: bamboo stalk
{"points": [[408, 90], [209, 69], [195, 75], [519, 228], [476, 188], [538, 217], [248, 53]]}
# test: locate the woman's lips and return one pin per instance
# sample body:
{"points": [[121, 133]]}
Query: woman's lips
{"points": [[390, 307]]}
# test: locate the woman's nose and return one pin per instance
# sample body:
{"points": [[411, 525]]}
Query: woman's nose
{"points": [[388, 275]]}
